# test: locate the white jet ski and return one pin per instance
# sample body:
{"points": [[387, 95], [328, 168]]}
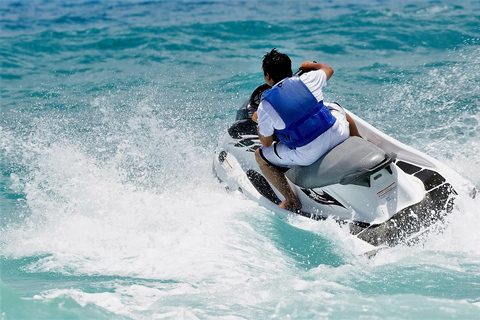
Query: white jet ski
{"points": [[386, 191]]}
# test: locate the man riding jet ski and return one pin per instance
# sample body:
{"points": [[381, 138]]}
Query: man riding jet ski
{"points": [[347, 170], [293, 111]]}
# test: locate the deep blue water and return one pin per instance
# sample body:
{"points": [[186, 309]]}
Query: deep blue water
{"points": [[110, 113]]}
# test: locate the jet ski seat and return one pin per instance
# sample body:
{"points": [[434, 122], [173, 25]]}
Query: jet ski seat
{"points": [[351, 162]]}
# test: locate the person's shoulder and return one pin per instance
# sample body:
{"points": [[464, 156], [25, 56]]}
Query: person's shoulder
{"points": [[264, 106], [314, 74], [314, 78]]}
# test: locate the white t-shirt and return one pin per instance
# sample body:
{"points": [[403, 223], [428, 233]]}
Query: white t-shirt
{"points": [[268, 118]]}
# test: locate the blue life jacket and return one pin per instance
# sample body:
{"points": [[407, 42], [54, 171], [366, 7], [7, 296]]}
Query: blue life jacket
{"points": [[305, 118]]}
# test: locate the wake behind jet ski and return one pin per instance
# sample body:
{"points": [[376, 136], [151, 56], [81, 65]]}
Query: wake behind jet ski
{"points": [[385, 191]]}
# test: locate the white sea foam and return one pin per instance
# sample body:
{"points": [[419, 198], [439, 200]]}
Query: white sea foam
{"points": [[106, 141]]}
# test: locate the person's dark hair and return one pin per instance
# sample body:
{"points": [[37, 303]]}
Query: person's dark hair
{"points": [[277, 65]]}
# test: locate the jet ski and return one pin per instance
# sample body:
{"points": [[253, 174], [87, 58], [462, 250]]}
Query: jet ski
{"points": [[385, 191]]}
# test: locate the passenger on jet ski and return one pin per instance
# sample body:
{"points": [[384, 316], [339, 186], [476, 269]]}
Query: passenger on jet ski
{"points": [[293, 111]]}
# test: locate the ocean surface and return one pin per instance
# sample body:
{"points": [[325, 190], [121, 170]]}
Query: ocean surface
{"points": [[110, 114]]}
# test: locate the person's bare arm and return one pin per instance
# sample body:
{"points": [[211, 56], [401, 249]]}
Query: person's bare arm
{"points": [[309, 66], [266, 141]]}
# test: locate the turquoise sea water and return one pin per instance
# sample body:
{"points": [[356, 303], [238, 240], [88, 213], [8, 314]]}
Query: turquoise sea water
{"points": [[110, 113]]}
